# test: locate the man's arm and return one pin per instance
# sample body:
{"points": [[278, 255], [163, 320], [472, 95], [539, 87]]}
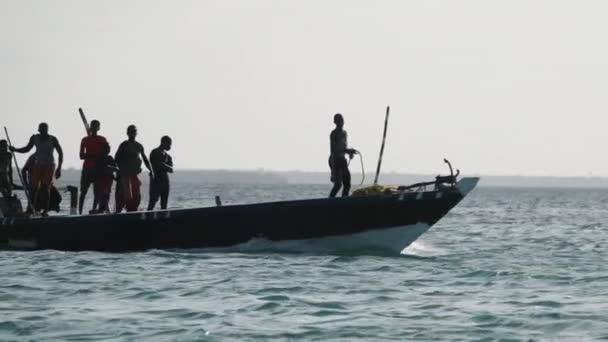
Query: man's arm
{"points": [[25, 149], [118, 154], [161, 161], [349, 151], [155, 161], [169, 164], [83, 155], [60, 157], [10, 170], [145, 159]]}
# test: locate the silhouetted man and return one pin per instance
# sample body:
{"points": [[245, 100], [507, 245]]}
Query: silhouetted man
{"points": [[162, 165], [106, 168], [6, 170], [44, 164], [26, 173], [129, 165], [340, 175], [92, 148]]}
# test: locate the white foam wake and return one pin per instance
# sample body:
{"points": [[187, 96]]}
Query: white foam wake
{"points": [[392, 240]]}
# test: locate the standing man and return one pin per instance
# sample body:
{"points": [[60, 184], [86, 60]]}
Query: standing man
{"points": [[26, 173], [340, 175], [92, 148], [162, 165], [129, 165], [106, 168], [44, 165], [6, 170]]}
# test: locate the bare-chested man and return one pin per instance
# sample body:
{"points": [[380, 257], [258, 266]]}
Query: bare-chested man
{"points": [[129, 165]]}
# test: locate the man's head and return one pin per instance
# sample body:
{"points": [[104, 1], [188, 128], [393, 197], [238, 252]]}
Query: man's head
{"points": [[43, 128], [95, 126], [131, 131], [3, 146], [339, 120], [165, 143]]}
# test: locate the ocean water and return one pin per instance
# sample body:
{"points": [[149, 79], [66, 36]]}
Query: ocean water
{"points": [[506, 264]]}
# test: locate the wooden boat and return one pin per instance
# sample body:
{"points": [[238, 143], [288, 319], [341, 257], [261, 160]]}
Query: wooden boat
{"points": [[387, 221]]}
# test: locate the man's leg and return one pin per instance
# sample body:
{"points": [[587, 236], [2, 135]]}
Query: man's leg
{"points": [[337, 183], [119, 197], [104, 187], [340, 167], [6, 194], [96, 200], [48, 180], [5, 187], [127, 190], [84, 188], [133, 193], [137, 193], [164, 196], [35, 188], [345, 182], [97, 196], [154, 194], [104, 200]]}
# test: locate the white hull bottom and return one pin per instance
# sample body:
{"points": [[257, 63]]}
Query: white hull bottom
{"points": [[393, 240]]}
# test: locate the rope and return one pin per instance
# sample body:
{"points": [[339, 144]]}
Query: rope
{"points": [[362, 168]]}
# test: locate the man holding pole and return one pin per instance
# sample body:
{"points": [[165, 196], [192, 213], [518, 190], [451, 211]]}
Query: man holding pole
{"points": [[92, 149]]}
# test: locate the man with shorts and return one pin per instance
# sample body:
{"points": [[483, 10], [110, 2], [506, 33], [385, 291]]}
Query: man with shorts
{"points": [[44, 165], [340, 175], [162, 164], [92, 148], [129, 165]]}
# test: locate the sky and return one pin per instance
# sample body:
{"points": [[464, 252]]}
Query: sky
{"points": [[498, 87]]}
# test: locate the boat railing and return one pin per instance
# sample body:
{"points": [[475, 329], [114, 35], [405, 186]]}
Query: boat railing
{"points": [[440, 182]]}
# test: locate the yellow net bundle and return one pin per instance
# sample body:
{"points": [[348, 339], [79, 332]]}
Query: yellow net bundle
{"points": [[374, 190]]}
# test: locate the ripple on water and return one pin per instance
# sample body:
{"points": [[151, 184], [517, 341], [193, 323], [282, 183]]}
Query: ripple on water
{"points": [[276, 298]]}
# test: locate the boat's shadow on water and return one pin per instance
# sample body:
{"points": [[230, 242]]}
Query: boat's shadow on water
{"points": [[210, 252]]}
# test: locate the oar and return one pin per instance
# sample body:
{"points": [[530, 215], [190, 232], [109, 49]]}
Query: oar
{"points": [[84, 121], [25, 189], [382, 147]]}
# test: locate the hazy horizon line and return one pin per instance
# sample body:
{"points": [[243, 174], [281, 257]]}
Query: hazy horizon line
{"points": [[367, 172]]}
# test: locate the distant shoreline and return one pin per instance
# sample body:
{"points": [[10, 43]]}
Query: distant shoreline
{"points": [[72, 176]]}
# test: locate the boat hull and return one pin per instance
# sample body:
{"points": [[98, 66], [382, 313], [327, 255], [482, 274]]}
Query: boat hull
{"points": [[403, 217]]}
